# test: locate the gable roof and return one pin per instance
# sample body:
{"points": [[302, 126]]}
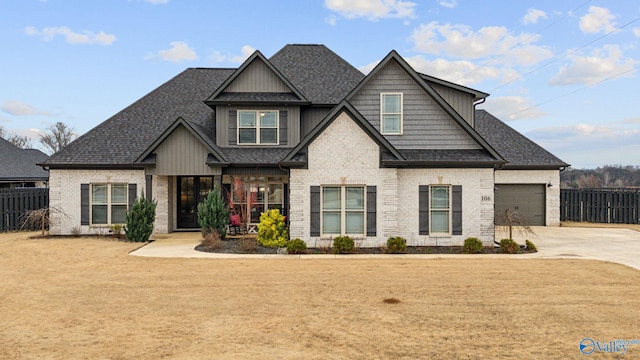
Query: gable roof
{"points": [[21, 164], [519, 151], [197, 133], [320, 74], [120, 140], [394, 56], [219, 96], [297, 156], [477, 94]]}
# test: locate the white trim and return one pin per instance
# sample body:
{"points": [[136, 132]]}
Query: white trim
{"points": [[257, 127], [108, 204], [382, 113], [449, 209], [343, 210]]}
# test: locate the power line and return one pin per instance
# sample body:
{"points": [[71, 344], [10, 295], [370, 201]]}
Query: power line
{"points": [[566, 54], [539, 32], [575, 91]]}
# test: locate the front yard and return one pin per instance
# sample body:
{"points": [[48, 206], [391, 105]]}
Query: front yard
{"points": [[86, 298]]}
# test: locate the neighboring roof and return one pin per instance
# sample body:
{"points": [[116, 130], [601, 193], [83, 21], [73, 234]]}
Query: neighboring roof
{"points": [[120, 140], [20, 164], [394, 56], [518, 150], [477, 94], [319, 73]]}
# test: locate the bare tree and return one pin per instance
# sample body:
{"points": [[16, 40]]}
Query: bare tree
{"points": [[57, 137], [512, 218], [3, 132], [23, 142]]}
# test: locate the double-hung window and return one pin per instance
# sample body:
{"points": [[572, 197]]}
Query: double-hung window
{"points": [[343, 210], [391, 113], [258, 127], [440, 209], [109, 203]]}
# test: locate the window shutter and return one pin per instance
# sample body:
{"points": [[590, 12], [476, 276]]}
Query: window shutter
{"points": [[84, 204], [315, 211], [132, 194], [371, 211], [285, 200], [423, 209], [456, 214], [233, 124], [149, 186], [283, 127]]}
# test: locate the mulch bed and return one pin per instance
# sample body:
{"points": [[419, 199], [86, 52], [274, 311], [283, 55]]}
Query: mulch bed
{"points": [[249, 246]]}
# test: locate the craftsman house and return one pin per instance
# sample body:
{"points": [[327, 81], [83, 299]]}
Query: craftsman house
{"points": [[392, 153]]}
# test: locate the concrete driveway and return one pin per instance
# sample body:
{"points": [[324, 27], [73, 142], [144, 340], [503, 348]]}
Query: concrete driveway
{"points": [[608, 244]]}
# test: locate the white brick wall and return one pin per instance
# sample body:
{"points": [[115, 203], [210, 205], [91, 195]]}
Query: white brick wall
{"points": [[345, 154], [64, 195], [537, 177]]}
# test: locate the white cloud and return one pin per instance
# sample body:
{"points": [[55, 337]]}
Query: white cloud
{"points": [[331, 20], [157, 2], [449, 4], [17, 108], [597, 20], [84, 37], [512, 108], [603, 63], [636, 32], [178, 52], [533, 15], [217, 57], [460, 41], [372, 9]]}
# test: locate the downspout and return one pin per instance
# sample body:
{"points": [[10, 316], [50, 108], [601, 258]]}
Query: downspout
{"points": [[479, 102]]}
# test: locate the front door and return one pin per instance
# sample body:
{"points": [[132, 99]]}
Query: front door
{"points": [[191, 191]]}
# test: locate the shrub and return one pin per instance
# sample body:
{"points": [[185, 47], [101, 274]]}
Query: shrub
{"points": [[343, 245], [140, 220], [248, 245], [396, 245], [116, 230], [472, 245], [213, 214], [531, 246], [509, 246], [212, 241], [272, 232], [296, 246]]}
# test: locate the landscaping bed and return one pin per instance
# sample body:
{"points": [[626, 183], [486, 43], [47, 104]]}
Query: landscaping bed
{"points": [[250, 246]]}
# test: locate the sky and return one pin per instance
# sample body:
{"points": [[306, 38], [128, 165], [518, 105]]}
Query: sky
{"points": [[563, 73]]}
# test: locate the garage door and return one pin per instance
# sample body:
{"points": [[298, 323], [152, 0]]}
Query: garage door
{"points": [[527, 199]]}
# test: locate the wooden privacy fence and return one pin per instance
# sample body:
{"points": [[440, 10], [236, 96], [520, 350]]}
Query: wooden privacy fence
{"points": [[612, 206], [15, 202]]}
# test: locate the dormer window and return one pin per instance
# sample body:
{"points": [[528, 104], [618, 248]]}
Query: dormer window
{"points": [[391, 113], [257, 127]]}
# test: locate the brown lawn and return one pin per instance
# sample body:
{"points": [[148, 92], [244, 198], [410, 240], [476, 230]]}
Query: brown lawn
{"points": [[88, 299]]}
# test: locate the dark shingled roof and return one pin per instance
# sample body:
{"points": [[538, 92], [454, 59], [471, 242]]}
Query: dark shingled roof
{"points": [[20, 164], [255, 155], [316, 71], [121, 139], [518, 150], [256, 97]]}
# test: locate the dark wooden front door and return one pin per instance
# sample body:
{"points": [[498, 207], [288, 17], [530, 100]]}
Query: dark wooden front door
{"points": [[191, 191]]}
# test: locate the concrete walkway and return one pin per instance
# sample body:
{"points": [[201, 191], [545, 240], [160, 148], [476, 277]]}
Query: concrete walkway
{"points": [[606, 244]]}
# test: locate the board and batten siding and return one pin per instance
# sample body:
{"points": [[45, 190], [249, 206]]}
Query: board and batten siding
{"points": [[226, 131], [460, 101], [425, 124], [181, 153], [310, 118], [257, 77]]}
